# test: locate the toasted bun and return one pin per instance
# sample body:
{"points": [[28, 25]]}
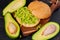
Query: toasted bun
{"points": [[40, 9], [27, 25]]}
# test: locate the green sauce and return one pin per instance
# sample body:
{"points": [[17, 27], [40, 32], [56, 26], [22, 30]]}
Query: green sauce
{"points": [[26, 16]]}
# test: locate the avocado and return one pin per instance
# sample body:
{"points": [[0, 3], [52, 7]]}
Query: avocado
{"points": [[48, 31], [11, 26], [13, 6], [26, 18]]}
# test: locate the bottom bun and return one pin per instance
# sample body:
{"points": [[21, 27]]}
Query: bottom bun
{"points": [[27, 25]]}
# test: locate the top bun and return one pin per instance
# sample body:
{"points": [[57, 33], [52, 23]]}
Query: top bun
{"points": [[40, 9]]}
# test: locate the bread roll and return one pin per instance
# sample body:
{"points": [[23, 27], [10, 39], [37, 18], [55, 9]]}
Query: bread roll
{"points": [[40, 9]]}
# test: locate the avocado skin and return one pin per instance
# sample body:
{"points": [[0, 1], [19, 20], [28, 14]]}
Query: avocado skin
{"points": [[37, 37], [8, 19], [13, 6]]}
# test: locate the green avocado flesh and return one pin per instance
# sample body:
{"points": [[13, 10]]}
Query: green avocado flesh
{"points": [[25, 16], [40, 34], [11, 27], [13, 6]]}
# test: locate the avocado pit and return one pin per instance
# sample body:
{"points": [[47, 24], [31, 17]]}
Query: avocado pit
{"points": [[49, 30], [12, 28]]}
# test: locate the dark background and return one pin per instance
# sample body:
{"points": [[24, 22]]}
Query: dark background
{"points": [[55, 17]]}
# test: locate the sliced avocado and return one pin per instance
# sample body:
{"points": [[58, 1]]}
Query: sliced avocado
{"points": [[11, 27], [48, 31], [13, 6]]}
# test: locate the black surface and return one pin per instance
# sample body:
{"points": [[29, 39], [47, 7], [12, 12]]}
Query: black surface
{"points": [[55, 17]]}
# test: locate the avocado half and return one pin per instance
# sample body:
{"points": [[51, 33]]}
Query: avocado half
{"points": [[11, 26], [13, 6], [39, 34]]}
